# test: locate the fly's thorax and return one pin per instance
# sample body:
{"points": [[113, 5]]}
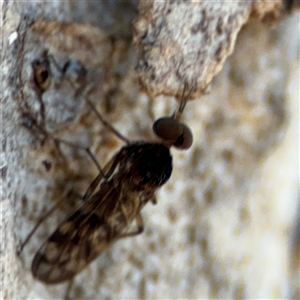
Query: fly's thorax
{"points": [[148, 165]]}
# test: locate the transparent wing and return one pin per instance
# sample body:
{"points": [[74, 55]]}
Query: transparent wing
{"points": [[80, 239]]}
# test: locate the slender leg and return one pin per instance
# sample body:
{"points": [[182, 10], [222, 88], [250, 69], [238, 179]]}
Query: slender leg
{"points": [[56, 206], [69, 287], [139, 230], [107, 171], [86, 149], [106, 124], [31, 125]]}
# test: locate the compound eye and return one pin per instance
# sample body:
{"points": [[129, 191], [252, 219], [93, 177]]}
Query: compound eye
{"points": [[185, 140], [167, 129]]}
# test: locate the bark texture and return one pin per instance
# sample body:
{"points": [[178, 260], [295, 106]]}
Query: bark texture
{"points": [[225, 223]]}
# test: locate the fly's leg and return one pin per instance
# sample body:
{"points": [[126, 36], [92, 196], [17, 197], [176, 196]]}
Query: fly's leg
{"points": [[69, 287], [37, 129], [86, 197], [149, 197], [139, 222], [107, 171], [106, 124], [86, 149], [31, 124], [110, 166], [103, 173], [140, 228], [56, 206], [37, 225]]}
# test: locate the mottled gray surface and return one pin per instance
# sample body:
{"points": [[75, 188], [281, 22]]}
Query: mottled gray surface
{"points": [[223, 223]]}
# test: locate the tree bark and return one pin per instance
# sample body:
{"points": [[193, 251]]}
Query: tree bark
{"points": [[224, 225]]}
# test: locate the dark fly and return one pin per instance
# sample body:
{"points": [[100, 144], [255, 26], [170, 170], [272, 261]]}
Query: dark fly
{"points": [[113, 200]]}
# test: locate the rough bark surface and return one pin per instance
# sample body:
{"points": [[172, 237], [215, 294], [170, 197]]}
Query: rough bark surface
{"points": [[175, 36], [224, 225]]}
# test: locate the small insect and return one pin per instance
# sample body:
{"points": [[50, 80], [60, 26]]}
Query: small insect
{"points": [[113, 200]]}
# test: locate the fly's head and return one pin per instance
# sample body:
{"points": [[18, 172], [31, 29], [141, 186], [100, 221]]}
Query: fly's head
{"points": [[172, 131]]}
